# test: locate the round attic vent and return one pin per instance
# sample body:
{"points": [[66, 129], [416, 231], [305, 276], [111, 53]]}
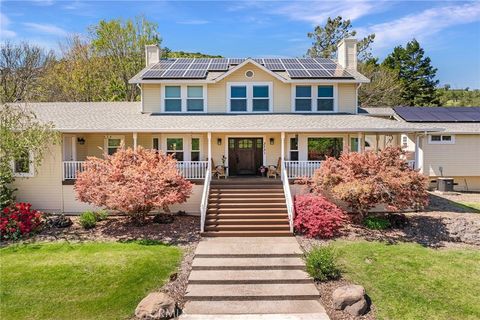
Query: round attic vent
{"points": [[249, 74]]}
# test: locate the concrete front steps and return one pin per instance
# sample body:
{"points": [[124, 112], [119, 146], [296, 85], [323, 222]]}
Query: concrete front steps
{"points": [[251, 278], [246, 208]]}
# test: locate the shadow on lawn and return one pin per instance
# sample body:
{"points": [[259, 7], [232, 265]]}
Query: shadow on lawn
{"points": [[438, 203]]}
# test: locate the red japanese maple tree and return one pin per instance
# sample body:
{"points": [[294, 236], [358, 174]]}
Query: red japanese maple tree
{"points": [[132, 181], [364, 180]]}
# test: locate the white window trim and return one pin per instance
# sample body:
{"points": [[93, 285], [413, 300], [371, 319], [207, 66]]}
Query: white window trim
{"points": [[31, 168], [289, 146], [105, 141], [159, 142], [314, 97], [184, 97], [249, 97], [430, 141]]}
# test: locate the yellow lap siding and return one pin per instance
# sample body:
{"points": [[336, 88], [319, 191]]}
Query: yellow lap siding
{"points": [[151, 95], [347, 97]]}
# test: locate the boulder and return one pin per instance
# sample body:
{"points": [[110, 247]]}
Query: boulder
{"points": [[157, 305], [350, 298]]}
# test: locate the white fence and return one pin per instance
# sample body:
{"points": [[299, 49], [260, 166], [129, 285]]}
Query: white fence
{"points": [[297, 169], [189, 169]]}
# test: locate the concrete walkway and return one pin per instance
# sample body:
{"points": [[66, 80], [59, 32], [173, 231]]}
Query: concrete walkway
{"points": [[251, 278]]}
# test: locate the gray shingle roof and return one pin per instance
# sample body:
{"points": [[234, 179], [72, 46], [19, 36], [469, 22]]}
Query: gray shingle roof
{"points": [[126, 117]]}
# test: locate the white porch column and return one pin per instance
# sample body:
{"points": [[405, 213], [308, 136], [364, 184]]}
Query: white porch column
{"points": [[209, 139], [283, 146], [135, 139], [361, 142], [377, 142]]}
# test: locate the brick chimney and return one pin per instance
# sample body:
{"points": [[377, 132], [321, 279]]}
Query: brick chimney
{"points": [[152, 54], [347, 53]]}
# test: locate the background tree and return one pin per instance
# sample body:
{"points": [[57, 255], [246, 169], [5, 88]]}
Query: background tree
{"points": [[21, 66], [21, 133], [327, 37], [384, 89], [122, 44], [416, 74], [132, 181]]}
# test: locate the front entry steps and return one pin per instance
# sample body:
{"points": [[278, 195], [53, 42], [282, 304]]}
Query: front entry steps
{"points": [[247, 207], [251, 278]]}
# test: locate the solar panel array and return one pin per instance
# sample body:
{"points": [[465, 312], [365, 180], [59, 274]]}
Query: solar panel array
{"points": [[197, 68], [439, 114]]}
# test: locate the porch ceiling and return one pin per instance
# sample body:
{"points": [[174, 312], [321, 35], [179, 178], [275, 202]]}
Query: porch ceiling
{"points": [[126, 117]]}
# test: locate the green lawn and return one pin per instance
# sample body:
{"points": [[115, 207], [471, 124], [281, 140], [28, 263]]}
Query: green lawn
{"points": [[471, 205], [81, 281], [408, 281]]}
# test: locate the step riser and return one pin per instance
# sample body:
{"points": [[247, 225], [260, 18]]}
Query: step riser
{"points": [[251, 298], [242, 206], [265, 228], [238, 216], [299, 267], [247, 211], [279, 281], [247, 187], [220, 201], [253, 195], [245, 234], [222, 222]]}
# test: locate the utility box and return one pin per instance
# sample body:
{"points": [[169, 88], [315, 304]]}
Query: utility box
{"points": [[445, 184]]}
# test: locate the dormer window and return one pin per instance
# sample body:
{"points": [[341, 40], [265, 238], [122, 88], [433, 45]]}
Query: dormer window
{"points": [[320, 98], [250, 97]]}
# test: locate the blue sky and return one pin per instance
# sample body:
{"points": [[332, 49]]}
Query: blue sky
{"points": [[448, 30]]}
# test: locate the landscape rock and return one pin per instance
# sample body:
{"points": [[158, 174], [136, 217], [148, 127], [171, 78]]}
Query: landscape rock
{"points": [[163, 218], [157, 305], [58, 221], [350, 298]]}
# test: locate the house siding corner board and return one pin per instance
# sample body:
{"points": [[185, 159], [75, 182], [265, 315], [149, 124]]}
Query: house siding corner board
{"points": [[217, 93]]}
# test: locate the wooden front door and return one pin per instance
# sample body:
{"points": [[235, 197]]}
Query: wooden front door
{"points": [[245, 155]]}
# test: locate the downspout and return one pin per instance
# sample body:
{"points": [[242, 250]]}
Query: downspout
{"points": [[356, 97]]}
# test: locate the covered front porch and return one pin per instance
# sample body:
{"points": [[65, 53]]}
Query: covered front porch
{"points": [[239, 153]]}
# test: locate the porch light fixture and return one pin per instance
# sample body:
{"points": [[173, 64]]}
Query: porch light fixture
{"points": [[272, 141], [219, 141], [81, 140]]}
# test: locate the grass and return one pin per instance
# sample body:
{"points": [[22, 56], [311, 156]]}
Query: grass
{"points": [[471, 205], [81, 281], [408, 281]]}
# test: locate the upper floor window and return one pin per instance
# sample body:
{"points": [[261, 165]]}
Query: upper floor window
{"points": [[441, 139], [184, 98], [250, 97], [319, 98]]}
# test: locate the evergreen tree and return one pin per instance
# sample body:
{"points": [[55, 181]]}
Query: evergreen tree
{"points": [[327, 37], [416, 74]]}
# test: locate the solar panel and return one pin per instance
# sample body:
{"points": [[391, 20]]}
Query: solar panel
{"points": [[196, 65], [202, 60], [236, 60], [289, 60], [218, 66], [272, 60], [306, 60], [163, 64], [219, 60], [298, 73], [329, 65], [173, 74], [311, 65], [180, 66], [258, 60], [275, 66], [340, 73], [193, 73], [324, 60], [318, 73], [439, 114], [289, 65], [152, 74]]}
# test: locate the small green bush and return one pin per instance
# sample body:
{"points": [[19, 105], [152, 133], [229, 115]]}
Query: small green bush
{"points": [[320, 263], [376, 223], [101, 215], [88, 219]]}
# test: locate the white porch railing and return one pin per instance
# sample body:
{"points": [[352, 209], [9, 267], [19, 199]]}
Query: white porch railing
{"points": [[188, 169], [297, 169], [71, 168], [205, 194], [192, 169], [288, 195]]}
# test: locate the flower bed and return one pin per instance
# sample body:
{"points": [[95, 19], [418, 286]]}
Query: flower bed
{"points": [[19, 221]]}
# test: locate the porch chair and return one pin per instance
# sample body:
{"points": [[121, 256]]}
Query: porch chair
{"points": [[275, 171], [218, 171]]}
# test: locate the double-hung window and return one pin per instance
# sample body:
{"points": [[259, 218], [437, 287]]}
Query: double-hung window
{"points": [[294, 149], [238, 98], [184, 98], [175, 147], [113, 143], [441, 139], [195, 149], [173, 99], [320, 98], [250, 97], [195, 98]]}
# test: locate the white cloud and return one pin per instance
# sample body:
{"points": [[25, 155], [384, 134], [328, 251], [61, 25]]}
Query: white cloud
{"points": [[317, 12], [46, 28], [5, 33], [193, 21], [422, 25]]}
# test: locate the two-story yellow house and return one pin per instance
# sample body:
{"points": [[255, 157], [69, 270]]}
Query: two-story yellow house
{"points": [[241, 114]]}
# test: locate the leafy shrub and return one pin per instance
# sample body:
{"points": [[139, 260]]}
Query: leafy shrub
{"points": [[132, 181], [320, 263], [376, 223], [315, 216], [364, 180], [88, 219], [101, 215], [19, 221]]}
